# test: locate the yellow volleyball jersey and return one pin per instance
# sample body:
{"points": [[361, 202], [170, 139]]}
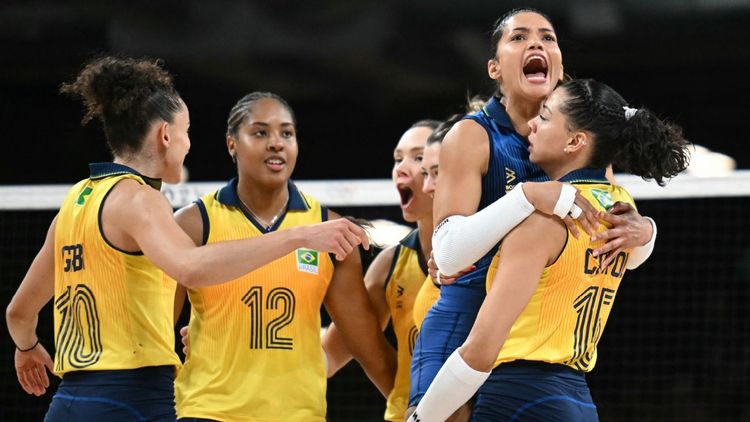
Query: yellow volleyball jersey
{"points": [[405, 278], [113, 309], [255, 349], [428, 294], [566, 316]]}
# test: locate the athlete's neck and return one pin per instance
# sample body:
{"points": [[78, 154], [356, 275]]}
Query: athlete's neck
{"points": [[264, 202], [520, 112], [143, 167], [424, 226]]}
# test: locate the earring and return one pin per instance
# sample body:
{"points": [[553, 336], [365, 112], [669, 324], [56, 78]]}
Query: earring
{"points": [[565, 150], [234, 158]]}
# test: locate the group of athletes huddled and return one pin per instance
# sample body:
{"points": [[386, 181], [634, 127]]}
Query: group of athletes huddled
{"points": [[497, 299]]}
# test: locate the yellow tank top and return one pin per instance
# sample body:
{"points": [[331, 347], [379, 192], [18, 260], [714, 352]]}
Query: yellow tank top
{"points": [[402, 284], [428, 294], [255, 349], [112, 309], [565, 317]]}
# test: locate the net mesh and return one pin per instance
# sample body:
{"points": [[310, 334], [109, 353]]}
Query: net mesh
{"points": [[676, 346]]}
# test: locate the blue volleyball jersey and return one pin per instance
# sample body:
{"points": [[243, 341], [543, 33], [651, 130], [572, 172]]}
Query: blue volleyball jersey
{"points": [[508, 165]]}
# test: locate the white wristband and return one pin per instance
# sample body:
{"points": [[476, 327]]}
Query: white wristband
{"points": [[459, 241], [454, 385], [640, 254], [565, 202]]}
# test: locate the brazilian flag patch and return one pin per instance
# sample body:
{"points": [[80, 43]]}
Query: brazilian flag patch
{"points": [[307, 261], [603, 198]]}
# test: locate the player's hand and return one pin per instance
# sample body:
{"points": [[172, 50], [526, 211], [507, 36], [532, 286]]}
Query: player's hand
{"points": [[544, 195], [629, 230], [441, 279], [339, 237], [185, 339], [30, 370]]}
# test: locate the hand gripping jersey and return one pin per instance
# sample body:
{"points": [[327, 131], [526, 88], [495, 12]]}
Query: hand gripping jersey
{"points": [[566, 316], [112, 309], [255, 350], [402, 284]]}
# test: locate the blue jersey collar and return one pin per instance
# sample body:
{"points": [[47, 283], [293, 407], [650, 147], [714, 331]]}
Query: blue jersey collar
{"points": [[586, 175], [227, 195], [102, 170], [496, 110]]}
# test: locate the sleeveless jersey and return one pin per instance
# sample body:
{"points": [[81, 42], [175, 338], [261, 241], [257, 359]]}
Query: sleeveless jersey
{"points": [[255, 348], [402, 284], [508, 165], [113, 309], [428, 294], [565, 317]]}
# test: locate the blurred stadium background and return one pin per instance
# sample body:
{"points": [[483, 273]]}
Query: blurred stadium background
{"points": [[357, 73]]}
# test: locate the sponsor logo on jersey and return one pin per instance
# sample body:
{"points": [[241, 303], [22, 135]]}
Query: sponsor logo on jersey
{"points": [[510, 177], [307, 261]]}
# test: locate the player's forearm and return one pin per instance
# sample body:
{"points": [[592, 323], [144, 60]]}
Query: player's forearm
{"points": [[337, 354], [380, 366], [459, 241], [21, 326], [640, 254], [223, 261]]}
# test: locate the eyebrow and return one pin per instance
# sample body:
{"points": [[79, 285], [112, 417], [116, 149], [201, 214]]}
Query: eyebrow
{"points": [[524, 29], [544, 106], [267, 124], [409, 150]]}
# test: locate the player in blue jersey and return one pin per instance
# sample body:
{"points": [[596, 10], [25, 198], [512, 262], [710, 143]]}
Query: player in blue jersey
{"points": [[548, 299], [482, 158]]}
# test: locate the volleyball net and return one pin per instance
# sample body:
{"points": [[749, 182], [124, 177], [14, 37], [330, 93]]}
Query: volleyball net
{"points": [[676, 346]]}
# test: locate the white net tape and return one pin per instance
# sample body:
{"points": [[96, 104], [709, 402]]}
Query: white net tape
{"points": [[380, 192]]}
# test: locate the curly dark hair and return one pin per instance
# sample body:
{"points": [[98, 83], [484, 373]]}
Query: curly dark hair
{"points": [[126, 95], [637, 142]]}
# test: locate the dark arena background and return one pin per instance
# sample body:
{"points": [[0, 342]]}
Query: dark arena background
{"points": [[358, 73]]}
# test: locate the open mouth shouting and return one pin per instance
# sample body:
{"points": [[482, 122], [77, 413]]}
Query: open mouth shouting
{"points": [[406, 194], [535, 69]]}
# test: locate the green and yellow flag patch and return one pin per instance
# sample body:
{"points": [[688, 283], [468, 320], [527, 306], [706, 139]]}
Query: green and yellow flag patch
{"points": [[307, 260], [603, 198]]}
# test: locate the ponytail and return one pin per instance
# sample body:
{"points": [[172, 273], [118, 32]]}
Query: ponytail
{"points": [[634, 140], [651, 148]]}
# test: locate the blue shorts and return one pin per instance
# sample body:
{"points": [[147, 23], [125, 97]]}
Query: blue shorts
{"points": [[143, 394], [534, 391], [445, 328]]}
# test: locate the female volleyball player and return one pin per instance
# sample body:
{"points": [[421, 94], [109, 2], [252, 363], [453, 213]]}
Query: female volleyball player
{"points": [[482, 158], [549, 297], [107, 249], [396, 274], [255, 348]]}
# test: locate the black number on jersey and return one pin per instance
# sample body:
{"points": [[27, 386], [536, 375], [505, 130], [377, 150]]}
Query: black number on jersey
{"points": [[413, 333], [79, 341], [278, 298], [588, 305]]}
